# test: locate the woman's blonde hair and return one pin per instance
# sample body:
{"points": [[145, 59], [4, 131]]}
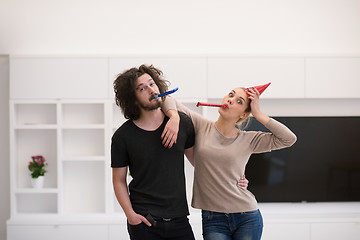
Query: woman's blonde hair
{"points": [[243, 123]]}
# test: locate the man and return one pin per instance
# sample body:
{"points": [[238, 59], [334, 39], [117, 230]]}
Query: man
{"points": [[155, 203]]}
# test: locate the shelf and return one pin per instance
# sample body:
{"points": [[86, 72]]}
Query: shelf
{"points": [[82, 114], [36, 203], [83, 142], [35, 142], [85, 126], [35, 114], [118, 117], [36, 126], [36, 191], [84, 187], [84, 159]]}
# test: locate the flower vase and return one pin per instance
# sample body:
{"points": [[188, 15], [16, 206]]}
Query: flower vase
{"points": [[37, 182]]}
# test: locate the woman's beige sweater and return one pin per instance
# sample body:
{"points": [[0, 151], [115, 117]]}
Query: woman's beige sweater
{"points": [[220, 161]]}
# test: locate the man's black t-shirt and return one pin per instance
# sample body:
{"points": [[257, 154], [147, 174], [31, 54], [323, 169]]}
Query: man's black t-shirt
{"points": [[158, 184]]}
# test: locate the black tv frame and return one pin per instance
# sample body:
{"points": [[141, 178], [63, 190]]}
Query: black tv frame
{"points": [[322, 166]]}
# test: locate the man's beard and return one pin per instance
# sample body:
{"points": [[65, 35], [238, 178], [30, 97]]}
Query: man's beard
{"points": [[151, 106]]}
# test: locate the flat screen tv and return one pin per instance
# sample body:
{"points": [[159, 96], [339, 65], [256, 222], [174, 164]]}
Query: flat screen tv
{"points": [[322, 166]]}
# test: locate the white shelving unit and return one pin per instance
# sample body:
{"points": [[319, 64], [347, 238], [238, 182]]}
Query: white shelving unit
{"points": [[33, 132], [73, 138]]}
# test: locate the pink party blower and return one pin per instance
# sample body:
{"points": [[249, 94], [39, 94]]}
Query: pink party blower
{"points": [[211, 105]]}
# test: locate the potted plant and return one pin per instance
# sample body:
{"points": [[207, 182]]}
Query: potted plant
{"points": [[37, 169]]}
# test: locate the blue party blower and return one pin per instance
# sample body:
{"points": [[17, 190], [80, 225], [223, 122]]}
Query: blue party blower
{"points": [[166, 93]]}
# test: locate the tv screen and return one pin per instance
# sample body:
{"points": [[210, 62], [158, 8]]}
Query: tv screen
{"points": [[322, 166]]}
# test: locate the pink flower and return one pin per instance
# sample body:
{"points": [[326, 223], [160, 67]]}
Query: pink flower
{"points": [[37, 166]]}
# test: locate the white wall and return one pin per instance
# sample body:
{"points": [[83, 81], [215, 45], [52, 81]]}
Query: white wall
{"points": [[4, 146], [301, 27]]}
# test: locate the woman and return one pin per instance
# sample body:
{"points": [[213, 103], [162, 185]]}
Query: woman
{"points": [[220, 155]]}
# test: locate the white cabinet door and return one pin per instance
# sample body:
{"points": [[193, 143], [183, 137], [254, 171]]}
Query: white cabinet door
{"points": [[57, 232], [286, 231], [88, 232], [118, 231], [186, 73], [33, 232], [335, 231], [53, 78], [332, 78], [285, 74]]}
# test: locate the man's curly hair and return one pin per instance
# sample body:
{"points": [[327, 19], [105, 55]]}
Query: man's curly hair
{"points": [[125, 84]]}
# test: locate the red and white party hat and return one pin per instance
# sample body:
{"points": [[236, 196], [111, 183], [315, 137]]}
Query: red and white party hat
{"points": [[260, 88]]}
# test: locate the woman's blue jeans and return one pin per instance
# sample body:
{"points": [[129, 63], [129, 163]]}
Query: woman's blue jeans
{"points": [[227, 226]]}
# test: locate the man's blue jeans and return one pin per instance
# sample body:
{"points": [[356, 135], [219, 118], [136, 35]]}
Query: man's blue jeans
{"points": [[227, 226]]}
